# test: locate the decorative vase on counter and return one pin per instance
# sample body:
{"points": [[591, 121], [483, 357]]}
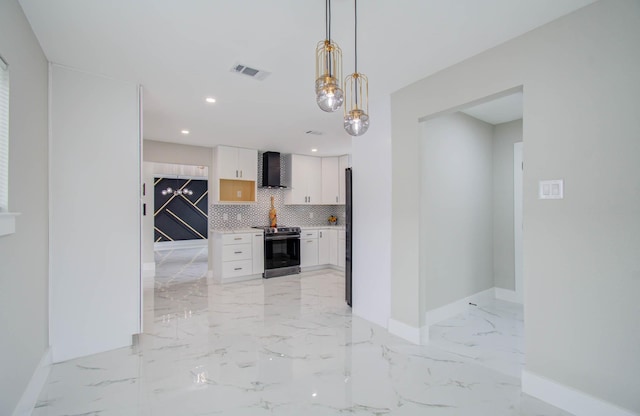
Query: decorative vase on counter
{"points": [[273, 218]]}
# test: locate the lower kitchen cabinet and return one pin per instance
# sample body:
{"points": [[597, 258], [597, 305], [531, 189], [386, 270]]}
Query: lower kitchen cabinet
{"points": [[308, 248], [322, 247], [342, 248], [237, 255]]}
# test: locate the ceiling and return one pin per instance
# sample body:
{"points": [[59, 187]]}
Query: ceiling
{"points": [[181, 51], [498, 111]]}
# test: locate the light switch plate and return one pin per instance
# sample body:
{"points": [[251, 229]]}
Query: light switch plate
{"points": [[551, 189]]}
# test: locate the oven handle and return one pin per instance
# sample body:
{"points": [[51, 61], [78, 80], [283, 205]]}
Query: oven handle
{"points": [[282, 237]]}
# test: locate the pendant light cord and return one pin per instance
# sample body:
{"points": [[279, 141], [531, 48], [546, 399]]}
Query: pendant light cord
{"points": [[355, 48], [355, 36], [327, 20]]}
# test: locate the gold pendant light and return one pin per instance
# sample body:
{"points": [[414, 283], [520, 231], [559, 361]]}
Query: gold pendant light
{"points": [[356, 87], [329, 95]]}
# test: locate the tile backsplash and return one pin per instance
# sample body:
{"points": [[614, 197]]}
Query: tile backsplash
{"points": [[258, 213]]}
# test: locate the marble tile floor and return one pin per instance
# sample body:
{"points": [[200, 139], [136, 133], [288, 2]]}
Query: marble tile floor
{"points": [[287, 346]]}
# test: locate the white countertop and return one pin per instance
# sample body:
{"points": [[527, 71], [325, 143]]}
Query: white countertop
{"points": [[257, 230], [236, 230], [322, 227]]}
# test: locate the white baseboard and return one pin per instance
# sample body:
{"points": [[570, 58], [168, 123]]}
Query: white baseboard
{"points": [[404, 331], [172, 245], [506, 295], [567, 398], [148, 282], [32, 392], [454, 308]]}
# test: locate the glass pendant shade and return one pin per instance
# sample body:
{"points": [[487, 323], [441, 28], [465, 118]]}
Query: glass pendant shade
{"points": [[329, 95], [356, 117], [356, 122]]}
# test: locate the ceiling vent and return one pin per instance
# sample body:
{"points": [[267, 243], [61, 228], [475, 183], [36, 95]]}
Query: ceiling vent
{"points": [[250, 72]]}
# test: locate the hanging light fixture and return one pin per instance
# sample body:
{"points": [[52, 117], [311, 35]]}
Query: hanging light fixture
{"points": [[356, 86], [329, 95], [178, 191]]}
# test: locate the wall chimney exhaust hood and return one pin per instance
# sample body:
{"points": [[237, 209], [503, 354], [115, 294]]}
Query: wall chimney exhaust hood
{"points": [[271, 170]]}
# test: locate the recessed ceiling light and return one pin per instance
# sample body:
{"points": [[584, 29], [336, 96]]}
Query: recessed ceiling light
{"points": [[210, 100], [184, 131], [314, 150]]}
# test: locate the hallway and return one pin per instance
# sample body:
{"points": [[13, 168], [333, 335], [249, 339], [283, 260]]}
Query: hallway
{"points": [[287, 346]]}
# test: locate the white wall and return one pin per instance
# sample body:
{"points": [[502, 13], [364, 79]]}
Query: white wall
{"points": [[371, 164], [581, 264], [95, 213], [504, 136], [456, 223], [24, 255]]}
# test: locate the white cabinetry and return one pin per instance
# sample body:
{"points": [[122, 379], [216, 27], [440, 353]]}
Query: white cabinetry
{"points": [[309, 248], [237, 255], [333, 246], [258, 253], [331, 180], [343, 163], [237, 163], [324, 246], [342, 247], [305, 177], [235, 175]]}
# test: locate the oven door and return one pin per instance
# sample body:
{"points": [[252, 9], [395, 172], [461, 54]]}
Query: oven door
{"points": [[281, 252]]}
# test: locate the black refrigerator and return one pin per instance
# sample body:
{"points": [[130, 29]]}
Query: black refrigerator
{"points": [[348, 235]]}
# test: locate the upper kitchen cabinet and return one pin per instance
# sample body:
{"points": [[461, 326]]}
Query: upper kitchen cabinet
{"points": [[330, 180], [237, 163], [305, 178], [333, 179], [343, 163], [236, 174]]}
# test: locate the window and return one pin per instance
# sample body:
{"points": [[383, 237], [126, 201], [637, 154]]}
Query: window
{"points": [[4, 136]]}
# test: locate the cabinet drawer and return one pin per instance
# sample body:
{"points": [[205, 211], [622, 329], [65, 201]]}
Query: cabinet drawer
{"points": [[236, 252], [237, 239], [308, 234], [236, 268]]}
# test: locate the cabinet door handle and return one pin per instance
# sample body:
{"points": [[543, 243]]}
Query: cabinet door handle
{"points": [[241, 173], [336, 199], [320, 234], [236, 173], [237, 252], [309, 199], [238, 268], [238, 238], [257, 235]]}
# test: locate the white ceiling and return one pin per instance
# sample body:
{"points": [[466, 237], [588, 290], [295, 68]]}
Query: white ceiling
{"points": [[498, 111], [181, 51]]}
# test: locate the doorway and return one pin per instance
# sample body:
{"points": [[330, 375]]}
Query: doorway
{"points": [[471, 201]]}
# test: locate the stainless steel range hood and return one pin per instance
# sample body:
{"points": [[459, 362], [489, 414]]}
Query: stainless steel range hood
{"points": [[271, 170]]}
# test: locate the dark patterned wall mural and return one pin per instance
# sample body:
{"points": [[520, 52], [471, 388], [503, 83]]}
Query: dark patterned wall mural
{"points": [[180, 216]]}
